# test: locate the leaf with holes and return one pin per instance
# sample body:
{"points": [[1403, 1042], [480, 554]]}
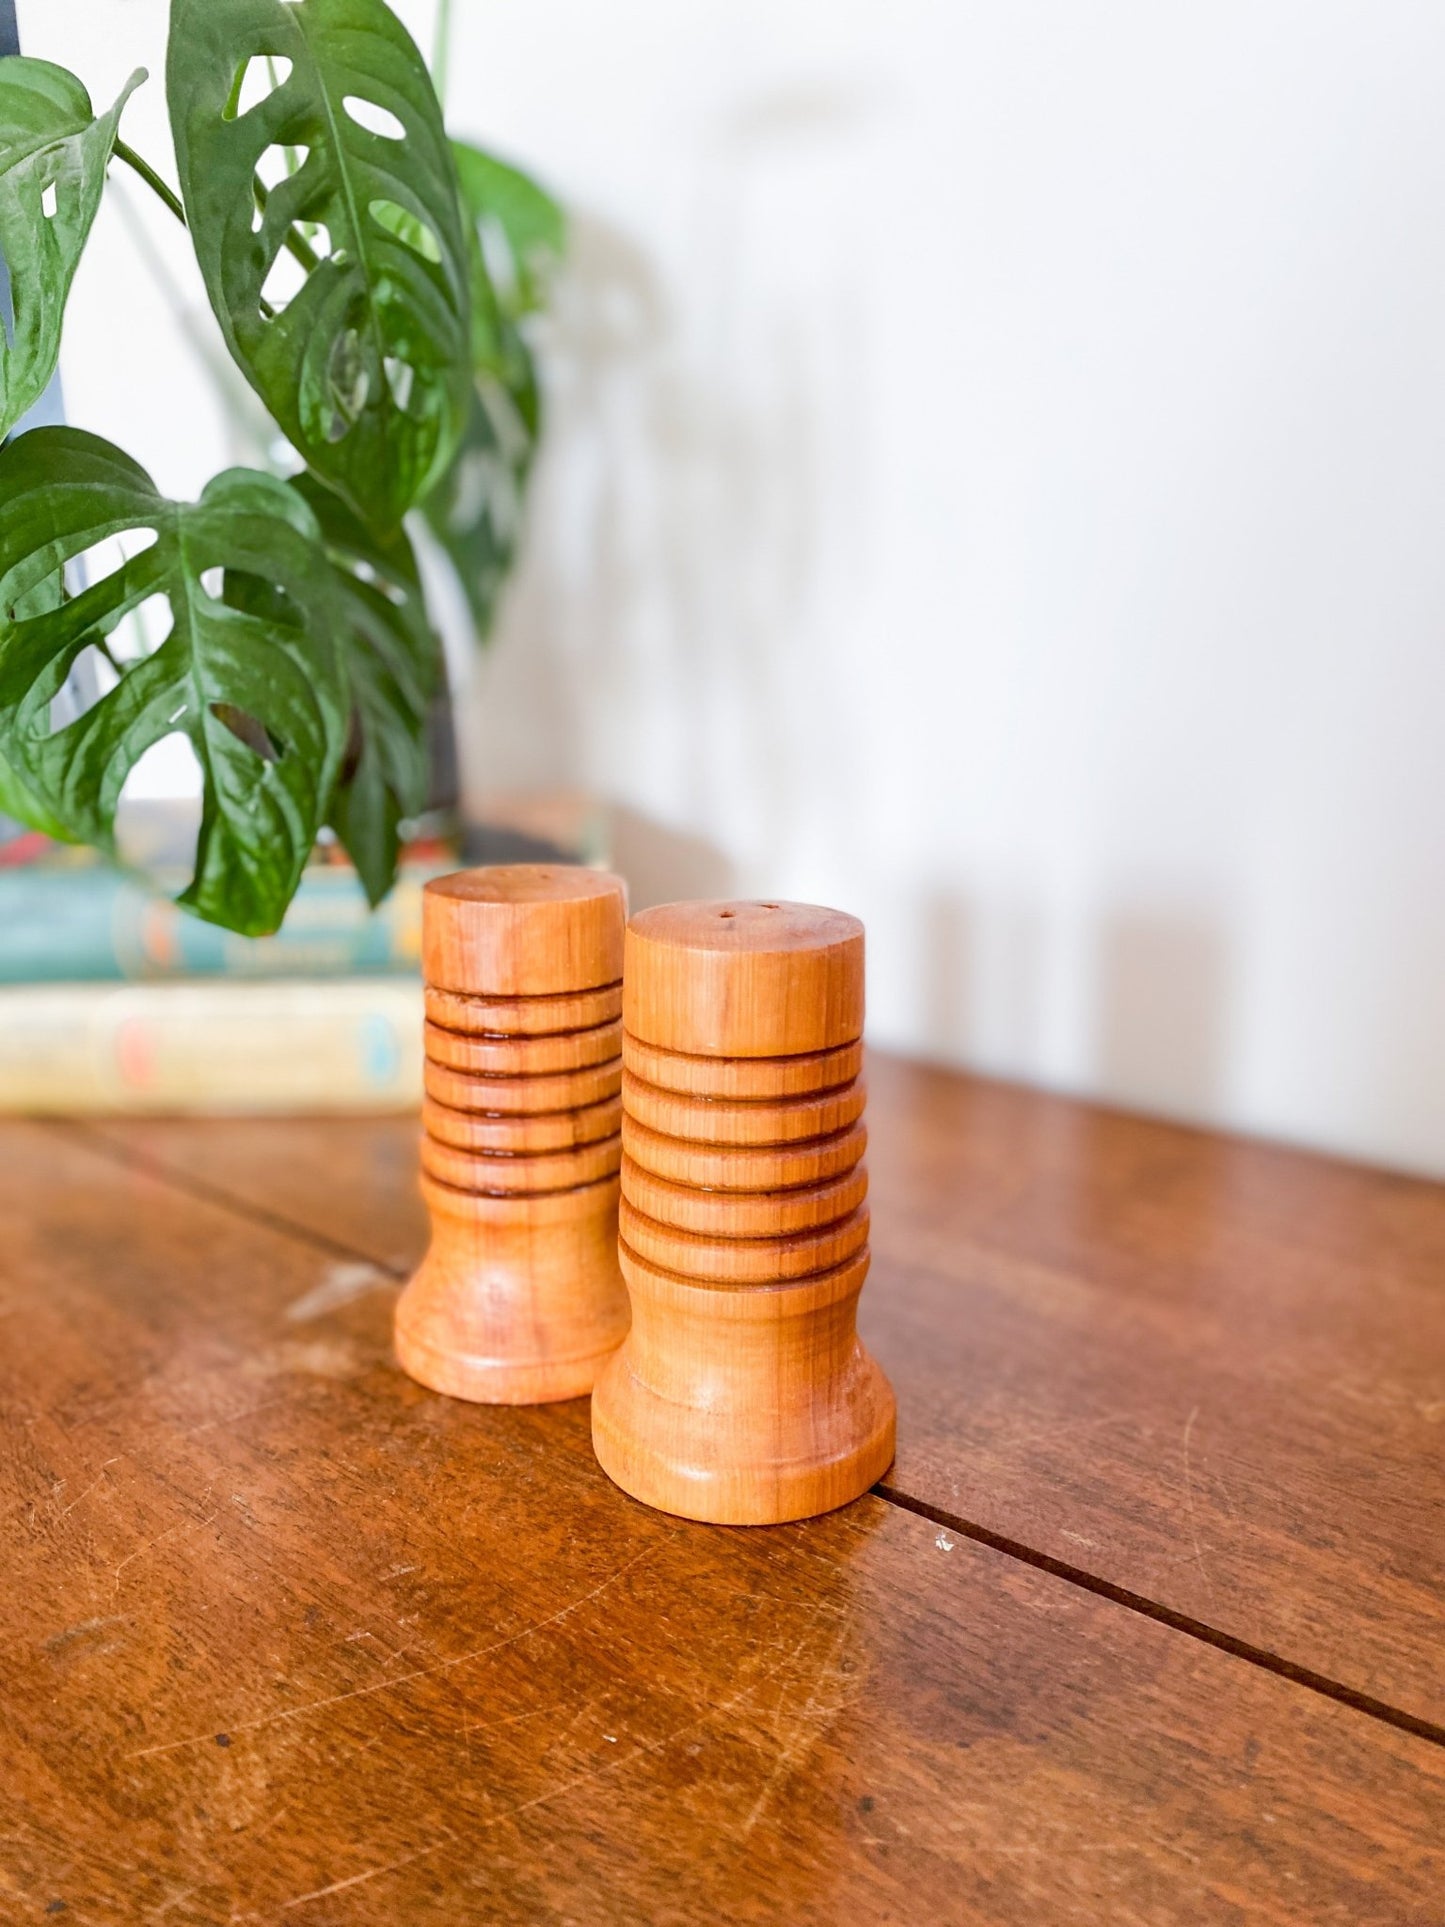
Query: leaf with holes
{"points": [[53, 155], [19, 801], [475, 510], [18, 798], [261, 692], [394, 663], [326, 222]]}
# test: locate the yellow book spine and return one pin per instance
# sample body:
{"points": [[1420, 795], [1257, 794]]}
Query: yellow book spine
{"points": [[227, 1048]]}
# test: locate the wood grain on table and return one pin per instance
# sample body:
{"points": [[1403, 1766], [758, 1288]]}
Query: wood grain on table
{"points": [[286, 1638], [1207, 1372]]}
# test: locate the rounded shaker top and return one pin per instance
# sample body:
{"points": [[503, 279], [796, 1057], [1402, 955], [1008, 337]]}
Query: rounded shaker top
{"points": [[743, 979], [523, 930]]}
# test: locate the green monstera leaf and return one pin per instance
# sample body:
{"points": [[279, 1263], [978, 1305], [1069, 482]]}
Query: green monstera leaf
{"points": [[394, 661], [18, 800], [522, 229], [475, 511], [261, 692], [340, 177], [53, 155]]}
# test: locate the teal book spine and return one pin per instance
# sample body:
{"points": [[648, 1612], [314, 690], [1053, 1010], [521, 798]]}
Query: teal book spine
{"points": [[86, 923]]}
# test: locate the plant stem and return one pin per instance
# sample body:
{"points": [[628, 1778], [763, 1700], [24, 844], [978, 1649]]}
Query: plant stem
{"points": [[249, 428], [125, 152], [294, 243], [441, 49]]}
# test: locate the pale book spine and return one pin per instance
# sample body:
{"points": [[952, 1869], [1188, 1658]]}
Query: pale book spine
{"points": [[237, 1049]]}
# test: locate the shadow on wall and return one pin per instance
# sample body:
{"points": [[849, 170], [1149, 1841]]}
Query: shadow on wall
{"points": [[1162, 997], [1140, 1017], [664, 865], [530, 708], [983, 990], [646, 641], [667, 629]]}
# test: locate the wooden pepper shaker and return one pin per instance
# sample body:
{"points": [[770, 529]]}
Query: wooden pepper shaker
{"points": [[519, 1299], [742, 1394]]}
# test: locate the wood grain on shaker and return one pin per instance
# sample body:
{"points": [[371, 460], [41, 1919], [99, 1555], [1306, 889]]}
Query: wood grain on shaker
{"points": [[523, 1131], [523, 1055], [523, 930], [745, 1214], [523, 1096], [742, 1393], [519, 1298], [743, 1261], [720, 1120], [500, 1173], [522, 1016], [744, 1167], [743, 1077], [744, 979]]}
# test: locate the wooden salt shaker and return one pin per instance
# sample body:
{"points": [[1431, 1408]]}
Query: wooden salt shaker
{"points": [[742, 1394], [519, 1299]]}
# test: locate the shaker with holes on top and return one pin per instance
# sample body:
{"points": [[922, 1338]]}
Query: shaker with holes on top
{"points": [[742, 1393], [519, 1299]]}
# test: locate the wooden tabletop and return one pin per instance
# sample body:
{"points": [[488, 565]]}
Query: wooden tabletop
{"points": [[1145, 1625]]}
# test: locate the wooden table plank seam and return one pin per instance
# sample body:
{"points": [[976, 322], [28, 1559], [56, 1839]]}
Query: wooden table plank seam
{"points": [[1269, 1662], [1306, 1678], [190, 1186], [1211, 1370]]}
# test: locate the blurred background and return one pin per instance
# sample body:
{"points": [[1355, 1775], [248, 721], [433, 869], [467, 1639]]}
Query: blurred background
{"points": [[994, 482]]}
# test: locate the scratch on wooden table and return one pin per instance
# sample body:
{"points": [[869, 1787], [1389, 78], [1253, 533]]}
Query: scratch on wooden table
{"points": [[234, 1418], [1032, 1849], [183, 1525], [259, 1833], [353, 1880], [1189, 1502], [400, 1679], [644, 1749], [174, 1901], [803, 1735], [1050, 1430], [469, 1727], [578, 1713], [93, 1484], [57, 1641], [359, 1879], [340, 1286]]}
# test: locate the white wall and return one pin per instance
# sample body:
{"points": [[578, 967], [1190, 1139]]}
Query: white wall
{"points": [[996, 484]]}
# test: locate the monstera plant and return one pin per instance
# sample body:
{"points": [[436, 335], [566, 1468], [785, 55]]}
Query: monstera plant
{"points": [[373, 281]]}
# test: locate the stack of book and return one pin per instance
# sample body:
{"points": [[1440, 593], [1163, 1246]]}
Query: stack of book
{"points": [[114, 1000]]}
